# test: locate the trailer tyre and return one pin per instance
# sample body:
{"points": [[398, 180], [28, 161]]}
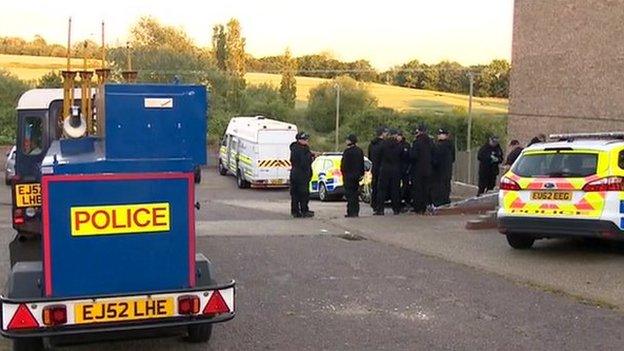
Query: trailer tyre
{"points": [[222, 170], [28, 344], [199, 333]]}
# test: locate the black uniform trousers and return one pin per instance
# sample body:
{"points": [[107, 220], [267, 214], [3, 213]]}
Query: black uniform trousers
{"points": [[374, 189], [352, 193], [389, 183], [487, 181], [299, 196], [441, 190], [421, 193]]}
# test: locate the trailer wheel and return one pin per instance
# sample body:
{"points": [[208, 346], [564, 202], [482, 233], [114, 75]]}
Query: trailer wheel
{"points": [[28, 344], [222, 170], [199, 333]]}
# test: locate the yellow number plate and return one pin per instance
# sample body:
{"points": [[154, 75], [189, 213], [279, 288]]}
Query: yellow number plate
{"points": [[28, 195], [123, 310], [551, 195], [277, 181]]}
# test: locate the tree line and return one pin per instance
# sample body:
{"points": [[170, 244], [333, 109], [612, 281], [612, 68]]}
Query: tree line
{"points": [[490, 80], [164, 54]]}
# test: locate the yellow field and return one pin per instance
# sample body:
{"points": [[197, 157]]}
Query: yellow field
{"points": [[33, 67], [403, 99]]}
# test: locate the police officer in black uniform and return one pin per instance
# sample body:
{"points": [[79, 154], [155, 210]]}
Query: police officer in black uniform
{"points": [[405, 167], [421, 169], [300, 174], [444, 157], [352, 169], [389, 175], [374, 155], [490, 157]]}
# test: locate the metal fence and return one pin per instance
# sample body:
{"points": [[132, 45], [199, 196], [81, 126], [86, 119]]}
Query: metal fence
{"points": [[460, 168]]}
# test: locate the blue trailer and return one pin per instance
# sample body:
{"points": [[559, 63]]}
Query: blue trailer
{"points": [[118, 213]]}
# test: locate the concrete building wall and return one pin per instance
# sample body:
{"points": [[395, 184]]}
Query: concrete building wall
{"points": [[567, 67]]}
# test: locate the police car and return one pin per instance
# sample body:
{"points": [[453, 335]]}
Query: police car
{"points": [[572, 186], [327, 183]]}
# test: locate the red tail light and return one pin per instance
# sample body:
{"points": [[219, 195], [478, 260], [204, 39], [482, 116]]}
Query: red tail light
{"points": [[188, 304], [508, 184], [605, 184], [337, 173], [18, 216], [216, 304], [54, 315], [23, 319]]}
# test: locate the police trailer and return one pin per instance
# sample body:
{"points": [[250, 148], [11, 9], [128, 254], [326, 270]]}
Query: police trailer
{"points": [[256, 150], [118, 209]]}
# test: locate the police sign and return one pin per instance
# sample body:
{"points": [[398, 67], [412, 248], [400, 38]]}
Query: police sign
{"points": [[120, 219]]}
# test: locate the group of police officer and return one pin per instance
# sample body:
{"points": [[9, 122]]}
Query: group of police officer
{"points": [[412, 176]]}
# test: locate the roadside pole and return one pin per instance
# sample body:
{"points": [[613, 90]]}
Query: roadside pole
{"points": [[337, 86], [469, 134]]}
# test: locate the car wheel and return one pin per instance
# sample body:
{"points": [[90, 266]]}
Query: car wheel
{"points": [[221, 168], [28, 344], [365, 194], [323, 193], [240, 181], [199, 333], [519, 241]]}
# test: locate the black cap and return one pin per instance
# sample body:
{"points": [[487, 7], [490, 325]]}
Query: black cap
{"points": [[352, 138], [302, 136], [381, 130], [421, 128], [393, 132], [443, 131]]}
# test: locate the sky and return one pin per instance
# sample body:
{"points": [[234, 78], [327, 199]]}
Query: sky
{"points": [[387, 33]]}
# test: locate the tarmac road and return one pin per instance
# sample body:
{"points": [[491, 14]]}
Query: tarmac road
{"points": [[303, 285]]}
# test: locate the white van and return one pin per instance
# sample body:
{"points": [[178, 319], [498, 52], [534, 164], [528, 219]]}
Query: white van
{"points": [[257, 151]]}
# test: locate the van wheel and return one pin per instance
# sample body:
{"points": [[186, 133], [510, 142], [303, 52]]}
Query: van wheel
{"points": [[365, 194], [28, 344], [222, 170], [199, 333], [519, 241], [323, 193], [240, 181]]}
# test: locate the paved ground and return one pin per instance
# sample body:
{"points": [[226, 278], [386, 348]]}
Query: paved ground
{"points": [[412, 283]]}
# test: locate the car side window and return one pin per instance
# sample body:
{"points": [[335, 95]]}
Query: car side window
{"points": [[32, 141], [621, 159], [224, 140]]}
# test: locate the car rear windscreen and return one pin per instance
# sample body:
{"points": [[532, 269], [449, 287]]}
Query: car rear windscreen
{"points": [[556, 165]]}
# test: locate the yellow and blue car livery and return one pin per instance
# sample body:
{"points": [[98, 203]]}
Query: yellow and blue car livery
{"points": [[327, 181], [569, 188]]}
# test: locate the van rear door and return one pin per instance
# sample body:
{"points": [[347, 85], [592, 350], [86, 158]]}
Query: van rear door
{"points": [[274, 155]]}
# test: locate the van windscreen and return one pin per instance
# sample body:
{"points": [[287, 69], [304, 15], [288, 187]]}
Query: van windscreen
{"points": [[556, 165]]}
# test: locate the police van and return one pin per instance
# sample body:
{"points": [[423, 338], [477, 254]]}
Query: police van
{"points": [[572, 186], [257, 151]]}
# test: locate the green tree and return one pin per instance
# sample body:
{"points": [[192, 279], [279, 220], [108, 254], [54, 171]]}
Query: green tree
{"points": [[149, 32], [11, 89], [494, 79], [288, 84], [235, 60], [219, 46], [51, 79], [354, 99]]}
